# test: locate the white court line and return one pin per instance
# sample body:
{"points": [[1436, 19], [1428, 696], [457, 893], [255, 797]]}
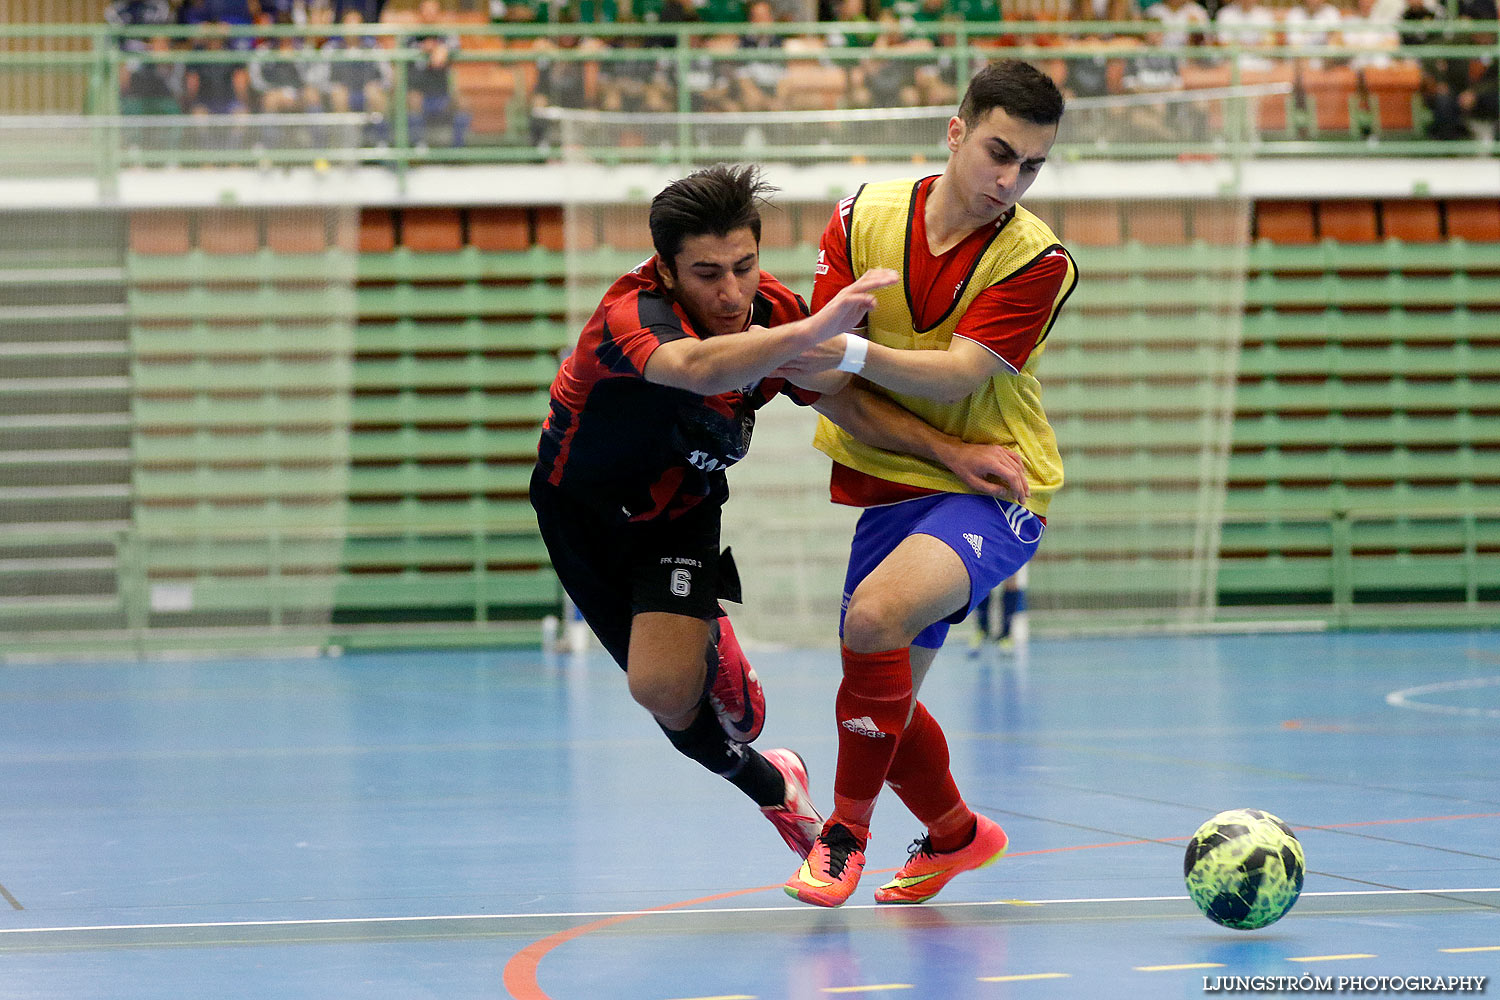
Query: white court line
{"points": [[1405, 697], [680, 911]]}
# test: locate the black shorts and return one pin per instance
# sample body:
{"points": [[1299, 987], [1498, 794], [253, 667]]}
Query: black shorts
{"points": [[614, 568]]}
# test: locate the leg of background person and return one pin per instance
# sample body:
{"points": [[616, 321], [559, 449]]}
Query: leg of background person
{"points": [[981, 618], [1015, 629]]}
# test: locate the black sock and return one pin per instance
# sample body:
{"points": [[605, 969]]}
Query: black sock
{"points": [[704, 741]]}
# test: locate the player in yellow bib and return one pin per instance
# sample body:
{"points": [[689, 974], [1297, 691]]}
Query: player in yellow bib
{"points": [[957, 343]]}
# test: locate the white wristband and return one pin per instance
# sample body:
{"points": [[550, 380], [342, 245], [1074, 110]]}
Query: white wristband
{"points": [[855, 349]]}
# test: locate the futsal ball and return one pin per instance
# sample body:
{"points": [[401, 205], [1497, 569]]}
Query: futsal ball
{"points": [[1244, 868]]}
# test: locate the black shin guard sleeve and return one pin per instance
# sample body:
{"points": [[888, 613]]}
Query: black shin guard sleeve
{"points": [[704, 741]]}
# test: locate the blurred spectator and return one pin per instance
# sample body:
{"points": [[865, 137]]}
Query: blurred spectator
{"points": [[1445, 117], [973, 11], [1087, 76], [281, 11], [642, 84], [216, 11], [937, 80], [1098, 73], [280, 83], [583, 11], [370, 11], [215, 88], [672, 12], [362, 85], [151, 88], [1313, 23], [1039, 12], [236, 12], [724, 11], [1184, 22], [922, 11], [710, 80], [884, 82], [429, 80], [1249, 26], [1152, 72], [320, 15], [1372, 41], [521, 12], [1105, 10], [812, 81], [562, 83], [137, 14], [1478, 88], [759, 80], [852, 12], [1418, 12]]}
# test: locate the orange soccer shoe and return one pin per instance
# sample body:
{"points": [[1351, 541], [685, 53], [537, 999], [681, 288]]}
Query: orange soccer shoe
{"points": [[831, 872], [796, 819], [927, 871]]}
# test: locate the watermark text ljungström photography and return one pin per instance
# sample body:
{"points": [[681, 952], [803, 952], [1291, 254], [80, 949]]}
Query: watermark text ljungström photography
{"points": [[1345, 984]]}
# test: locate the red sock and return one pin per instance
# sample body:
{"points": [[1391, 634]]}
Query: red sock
{"points": [[871, 709], [919, 774]]}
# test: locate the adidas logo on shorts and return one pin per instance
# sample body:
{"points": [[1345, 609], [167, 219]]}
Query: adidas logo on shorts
{"points": [[864, 727], [976, 542]]}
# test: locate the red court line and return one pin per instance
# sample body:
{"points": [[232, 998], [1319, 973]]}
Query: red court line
{"points": [[1393, 822], [520, 971]]}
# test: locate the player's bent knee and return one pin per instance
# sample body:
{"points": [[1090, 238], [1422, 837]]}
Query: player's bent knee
{"points": [[665, 695], [873, 623]]}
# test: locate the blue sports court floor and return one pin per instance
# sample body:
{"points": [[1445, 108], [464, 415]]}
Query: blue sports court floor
{"points": [[457, 825]]}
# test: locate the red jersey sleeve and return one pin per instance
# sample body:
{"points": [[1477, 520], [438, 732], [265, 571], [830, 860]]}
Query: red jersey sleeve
{"points": [[785, 306], [634, 328], [833, 271], [1012, 316]]}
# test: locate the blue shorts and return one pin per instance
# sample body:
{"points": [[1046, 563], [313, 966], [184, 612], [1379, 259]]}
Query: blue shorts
{"points": [[993, 537]]}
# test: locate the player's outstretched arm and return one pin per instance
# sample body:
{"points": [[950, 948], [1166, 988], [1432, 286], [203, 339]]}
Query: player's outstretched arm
{"points": [[945, 376], [719, 364], [873, 419]]}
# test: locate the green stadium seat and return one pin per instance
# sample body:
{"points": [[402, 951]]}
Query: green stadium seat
{"points": [[449, 407]]}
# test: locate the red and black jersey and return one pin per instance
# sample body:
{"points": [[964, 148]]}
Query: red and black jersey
{"points": [[649, 450]]}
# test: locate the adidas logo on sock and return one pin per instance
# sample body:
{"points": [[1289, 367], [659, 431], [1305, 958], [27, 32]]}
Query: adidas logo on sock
{"points": [[864, 727], [975, 543]]}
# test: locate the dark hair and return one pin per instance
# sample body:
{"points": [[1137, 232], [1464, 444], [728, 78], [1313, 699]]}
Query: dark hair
{"points": [[716, 200], [1015, 87]]}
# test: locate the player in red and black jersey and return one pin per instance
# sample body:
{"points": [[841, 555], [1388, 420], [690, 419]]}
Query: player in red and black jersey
{"points": [[643, 447], [654, 403]]}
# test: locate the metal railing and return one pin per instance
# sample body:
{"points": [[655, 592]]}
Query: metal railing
{"points": [[499, 66]]}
